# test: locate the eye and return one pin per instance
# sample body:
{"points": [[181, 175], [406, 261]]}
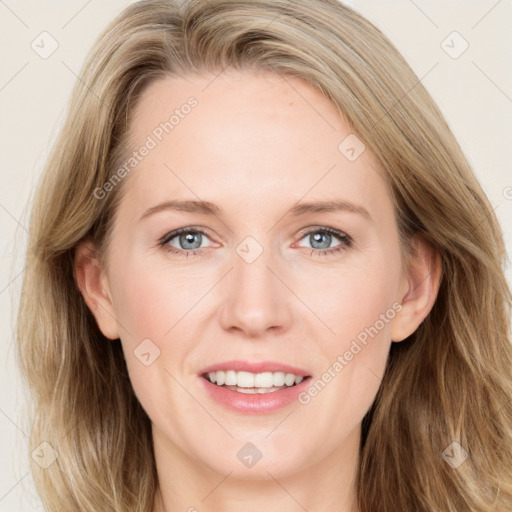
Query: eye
{"points": [[321, 239], [188, 241]]}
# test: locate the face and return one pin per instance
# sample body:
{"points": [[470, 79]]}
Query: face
{"points": [[257, 283]]}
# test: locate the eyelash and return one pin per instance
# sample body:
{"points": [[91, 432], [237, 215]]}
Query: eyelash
{"points": [[344, 238]]}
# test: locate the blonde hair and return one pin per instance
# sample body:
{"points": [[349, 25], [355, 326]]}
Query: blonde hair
{"points": [[448, 382]]}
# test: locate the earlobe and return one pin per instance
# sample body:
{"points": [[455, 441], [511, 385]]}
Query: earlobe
{"points": [[421, 286], [94, 287]]}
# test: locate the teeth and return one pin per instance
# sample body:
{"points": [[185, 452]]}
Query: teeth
{"points": [[279, 378], [243, 379], [230, 378], [264, 381], [289, 380]]}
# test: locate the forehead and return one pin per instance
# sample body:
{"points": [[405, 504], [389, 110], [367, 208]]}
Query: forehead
{"points": [[244, 138]]}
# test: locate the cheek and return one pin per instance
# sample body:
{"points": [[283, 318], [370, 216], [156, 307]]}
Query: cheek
{"points": [[151, 300], [358, 306], [149, 306], [353, 298], [158, 308], [354, 359]]}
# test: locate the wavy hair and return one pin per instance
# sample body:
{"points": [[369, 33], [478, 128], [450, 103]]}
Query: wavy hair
{"points": [[449, 382]]}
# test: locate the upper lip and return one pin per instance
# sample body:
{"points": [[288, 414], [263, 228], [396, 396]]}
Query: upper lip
{"points": [[255, 367]]}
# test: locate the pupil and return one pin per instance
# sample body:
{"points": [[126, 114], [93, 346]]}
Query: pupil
{"points": [[317, 237], [188, 238]]}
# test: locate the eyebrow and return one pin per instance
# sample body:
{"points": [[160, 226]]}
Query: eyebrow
{"points": [[208, 208]]}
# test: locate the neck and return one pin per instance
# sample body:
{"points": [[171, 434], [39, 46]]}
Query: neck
{"points": [[328, 485]]}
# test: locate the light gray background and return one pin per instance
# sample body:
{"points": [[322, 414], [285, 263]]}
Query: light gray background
{"points": [[474, 91]]}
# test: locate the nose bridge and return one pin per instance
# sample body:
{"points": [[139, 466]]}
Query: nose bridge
{"points": [[255, 298]]}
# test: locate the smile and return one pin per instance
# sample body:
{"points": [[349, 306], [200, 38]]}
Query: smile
{"points": [[253, 387], [247, 382]]}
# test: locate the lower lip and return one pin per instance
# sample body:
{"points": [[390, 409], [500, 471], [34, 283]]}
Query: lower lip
{"points": [[257, 403]]}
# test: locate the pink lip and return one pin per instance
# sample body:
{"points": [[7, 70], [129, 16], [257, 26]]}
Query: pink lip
{"points": [[254, 403], [255, 367]]}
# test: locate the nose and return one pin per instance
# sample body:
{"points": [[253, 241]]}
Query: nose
{"points": [[254, 298]]}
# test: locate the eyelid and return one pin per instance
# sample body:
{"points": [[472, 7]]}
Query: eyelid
{"points": [[343, 237], [307, 230], [176, 232], [346, 240]]}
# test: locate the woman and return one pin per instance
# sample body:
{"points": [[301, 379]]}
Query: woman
{"points": [[368, 370]]}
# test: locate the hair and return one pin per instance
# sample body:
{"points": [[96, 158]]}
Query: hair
{"points": [[450, 381]]}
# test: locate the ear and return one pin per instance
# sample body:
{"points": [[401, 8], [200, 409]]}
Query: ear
{"points": [[94, 286], [419, 288]]}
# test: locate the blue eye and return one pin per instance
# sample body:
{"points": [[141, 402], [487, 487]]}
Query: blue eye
{"points": [[321, 239], [190, 240], [187, 238]]}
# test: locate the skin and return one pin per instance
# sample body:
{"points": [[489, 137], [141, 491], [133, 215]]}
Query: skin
{"points": [[255, 145]]}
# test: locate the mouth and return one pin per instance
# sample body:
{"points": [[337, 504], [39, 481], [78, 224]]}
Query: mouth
{"points": [[251, 387], [254, 383]]}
